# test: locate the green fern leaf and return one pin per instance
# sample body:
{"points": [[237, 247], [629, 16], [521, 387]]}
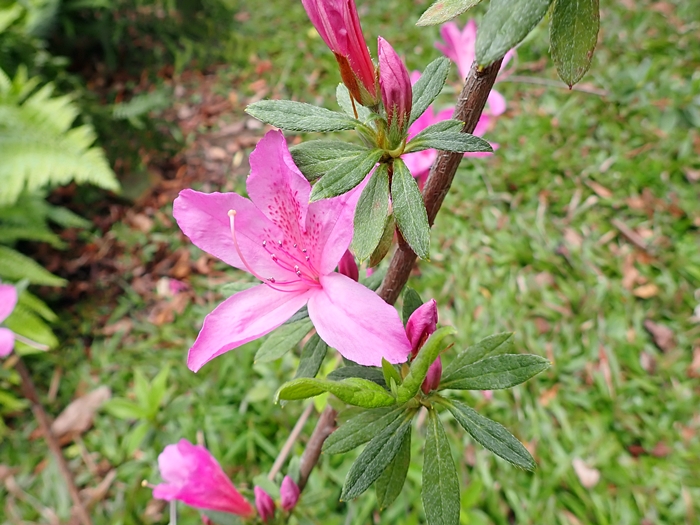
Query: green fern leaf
{"points": [[14, 267]]}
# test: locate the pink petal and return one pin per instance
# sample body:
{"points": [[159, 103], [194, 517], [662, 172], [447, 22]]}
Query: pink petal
{"points": [[451, 35], [420, 162], [497, 103], [7, 341], [289, 493], [277, 187], [8, 300], [348, 267], [421, 324], [203, 217], [356, 322], [241, 318]]}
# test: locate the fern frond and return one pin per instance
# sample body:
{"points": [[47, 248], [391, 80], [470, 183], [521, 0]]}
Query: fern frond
{"points": [[25, 322], [14, 267]]}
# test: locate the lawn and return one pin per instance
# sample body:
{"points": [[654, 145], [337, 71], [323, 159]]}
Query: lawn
{"points": [[581, 235]]}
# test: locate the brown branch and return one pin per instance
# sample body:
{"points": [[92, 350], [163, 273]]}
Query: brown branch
{"points": [[42, 418], [469, 107]]}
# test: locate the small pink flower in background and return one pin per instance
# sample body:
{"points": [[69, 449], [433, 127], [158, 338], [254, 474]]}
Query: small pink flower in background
{"points": [[395, 83], [264, 503], [460, 47], [339, 26], [421, 324], [194, 477], [289, 493], [8, 301], [347, 266], [432, 380], [293, 247]]}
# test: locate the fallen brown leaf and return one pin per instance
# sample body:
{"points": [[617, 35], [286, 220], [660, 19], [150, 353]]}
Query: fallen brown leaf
{"points": [[646, 291], [694, 368], [588, 476], [601, 191], [77, 417], [549, 395], [662, 335], [92, 495]]}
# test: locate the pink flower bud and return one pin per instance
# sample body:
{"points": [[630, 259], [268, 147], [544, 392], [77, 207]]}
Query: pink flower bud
{"points": [[339, 26], [289, 493], [421, 324], [432, 380], [347, 266], [397, 94], [264, 503]]}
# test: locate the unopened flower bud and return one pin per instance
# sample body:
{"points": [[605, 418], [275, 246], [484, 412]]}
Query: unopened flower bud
{"points": [[421, 324], [264, 503], [289, 493], [397, 94], [432, 380], [347, 266]]}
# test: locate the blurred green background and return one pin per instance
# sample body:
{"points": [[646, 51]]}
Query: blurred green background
{"points": [[581, 235]]}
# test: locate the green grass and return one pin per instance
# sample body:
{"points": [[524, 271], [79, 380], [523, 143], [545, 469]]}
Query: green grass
{"points": [[510, 252]]}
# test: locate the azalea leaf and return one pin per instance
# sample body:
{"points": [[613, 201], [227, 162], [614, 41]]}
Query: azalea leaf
{"points": [[491, 435], [498, 372], [15, 266], [409, 210], [376, 457], [364, 372], [282, 341], [444, 10], [497, 342], [360, 429], [411, 303], [505, 25], [392, 480], [420, 365], [315, 158], [298, 116], [573, 34], [353, 391], [385, 242], [345, 175], [390, 373], [312, 356], [440, 491], [347, 104], [371, 214], [446, 136], [429, 86]]}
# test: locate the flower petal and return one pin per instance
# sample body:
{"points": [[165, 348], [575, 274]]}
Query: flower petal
{"points": [[355, 321], [242, 317], [203, 217], [7, 341], [496, 102], [421, 324], [277, 187], [8, 300]]}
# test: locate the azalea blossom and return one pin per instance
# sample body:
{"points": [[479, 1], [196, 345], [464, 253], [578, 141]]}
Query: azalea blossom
{"points": [[264, 503], [193, 476], [339, 26], [420, 325], [8, 301], [293, 247], [460, 47], [289, 493], [397, 93]]}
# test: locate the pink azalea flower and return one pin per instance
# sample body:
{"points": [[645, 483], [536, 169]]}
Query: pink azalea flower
{"points": [[193, 476], [421, 324], [8, 301], [293, 247], [264, 503], [289, 493], [397, 94], [460, 47], [339, 26]]}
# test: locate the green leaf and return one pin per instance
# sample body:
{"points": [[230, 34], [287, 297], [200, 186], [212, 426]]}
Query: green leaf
{"points": [[302, 313], [36, 305], [573, 34], [141, 388], [345, 175], [409, 210], [281, 341], [312, 356], [315, 158], [390, 373], [346, 103], [132, 441], [491, 435], [411, 303], [374, 281], [298, 116], [440, 492], [14, 267], [506, 24], [390, 483], [385, 242], [125, 409], [429, 86], [375, 458], [353, 391], [420, 365], [371, 214], [27, 323], [364, 372], [444, 10], [361, 429], [220, 518], [476, 353], [497, 372], [446, 136], [158, 388]]}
